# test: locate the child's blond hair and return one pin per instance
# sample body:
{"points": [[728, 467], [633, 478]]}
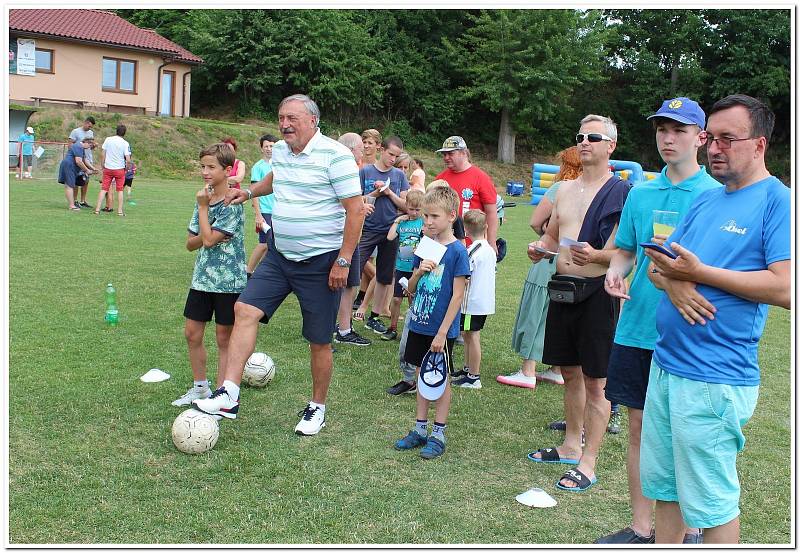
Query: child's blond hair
{"points": [[475, 222], [373, 134], [437, 183], [414, 198], [223, 153], [443, 197]]}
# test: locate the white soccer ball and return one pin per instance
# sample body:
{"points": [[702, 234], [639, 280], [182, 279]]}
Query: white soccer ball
{"points": [[259, 370], [195, 432]]}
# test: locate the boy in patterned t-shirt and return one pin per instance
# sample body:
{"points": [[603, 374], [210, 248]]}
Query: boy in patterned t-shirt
{"points": [[217, 231]]}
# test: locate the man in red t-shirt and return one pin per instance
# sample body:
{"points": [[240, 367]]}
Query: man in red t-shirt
{"points": [[475, 188]]}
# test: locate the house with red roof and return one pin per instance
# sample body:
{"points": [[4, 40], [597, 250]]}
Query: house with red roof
{"points": [[95, 59]]}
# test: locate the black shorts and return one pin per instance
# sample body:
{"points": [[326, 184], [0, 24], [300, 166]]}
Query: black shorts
{"points": [[264, 237], [200, 305], [417, 345], [81, 180], [276, 277], [398, 288], [128, 182], [472, 322], [387, 254], [354, 275], [582, 333], [628, 373]]}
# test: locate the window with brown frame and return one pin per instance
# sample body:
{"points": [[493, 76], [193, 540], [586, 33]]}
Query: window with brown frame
{"points": [[44, 60], [119, 75]]}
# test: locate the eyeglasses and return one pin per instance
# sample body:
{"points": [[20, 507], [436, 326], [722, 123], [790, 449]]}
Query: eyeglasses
{"points": [[592, 137], [725, 143]]}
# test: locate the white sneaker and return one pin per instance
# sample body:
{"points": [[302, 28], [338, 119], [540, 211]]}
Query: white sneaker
{"points": [[550, 376], [311, 421], [195, 392], [517, 379], [219, 403]]}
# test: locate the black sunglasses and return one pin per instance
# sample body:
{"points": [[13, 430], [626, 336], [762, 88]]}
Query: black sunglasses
{"points": [[592, 137]]}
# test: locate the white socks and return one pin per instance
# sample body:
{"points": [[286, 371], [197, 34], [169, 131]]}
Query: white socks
{"points": [[232, 389]]}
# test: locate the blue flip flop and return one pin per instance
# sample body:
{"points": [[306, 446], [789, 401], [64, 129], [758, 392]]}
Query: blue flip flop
{"points": [[582, 481], [550, 455]]}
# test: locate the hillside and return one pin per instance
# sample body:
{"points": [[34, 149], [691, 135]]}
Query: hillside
{"points": [[168, 147]]}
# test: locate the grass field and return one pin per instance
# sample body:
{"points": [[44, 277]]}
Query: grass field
{"points": [[91, 459]]}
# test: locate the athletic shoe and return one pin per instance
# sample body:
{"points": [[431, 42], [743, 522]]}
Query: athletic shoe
{"points": [[195, 392], [615, 423], [517, 379], [626, 536], [468, 381], [402, 387], [460, 373], [433, 448], [460, 340], [352, 337], [550, 376], [84, 204], [219, 403], [376, 325], [356, 304], [558, 425], [693, 538], [311, 421], [389, 335], [410, 441]]}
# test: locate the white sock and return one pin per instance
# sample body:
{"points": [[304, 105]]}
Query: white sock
{"points": [[201, 383], [344, 331], [232, 389], [319, 406]]}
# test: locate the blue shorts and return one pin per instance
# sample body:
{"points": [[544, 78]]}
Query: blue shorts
{"points": [[398, 288], [691, 434], [628, 373], [264, 237], [276, 277]]}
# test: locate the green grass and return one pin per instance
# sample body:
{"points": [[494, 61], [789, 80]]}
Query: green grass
{"points": [[91, 458]]}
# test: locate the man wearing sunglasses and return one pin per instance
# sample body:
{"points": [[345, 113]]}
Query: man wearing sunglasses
{"points": [[580, 326], [733, 260], [679, 129]]}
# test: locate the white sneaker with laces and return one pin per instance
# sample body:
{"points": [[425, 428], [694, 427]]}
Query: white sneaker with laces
{"points": [[550, 376], [195, 392], [219, 403], [312, 420], [517, 379]]}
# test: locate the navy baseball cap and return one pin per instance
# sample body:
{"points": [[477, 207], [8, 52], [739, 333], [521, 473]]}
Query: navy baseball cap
{"points": [[433, 374], [682, 110]]}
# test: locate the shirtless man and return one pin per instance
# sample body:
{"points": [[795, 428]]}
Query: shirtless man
{"points": [[580, 325]]}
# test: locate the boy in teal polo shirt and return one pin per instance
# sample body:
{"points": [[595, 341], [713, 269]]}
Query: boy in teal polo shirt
{"points": [[679, 130], [26, 139]]}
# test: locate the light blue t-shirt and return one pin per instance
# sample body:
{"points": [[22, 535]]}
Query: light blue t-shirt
{"points": [[408, 236], [261, 169], [27, 143], [435, 290], [637, 322], [744, 230], [385, 211]]}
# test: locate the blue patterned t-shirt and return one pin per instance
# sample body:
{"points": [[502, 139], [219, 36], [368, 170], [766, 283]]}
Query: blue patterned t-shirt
{"points": [[222, 268]]}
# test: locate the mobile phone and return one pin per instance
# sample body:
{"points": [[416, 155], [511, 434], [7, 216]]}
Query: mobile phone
{"points": [[659, 248]]}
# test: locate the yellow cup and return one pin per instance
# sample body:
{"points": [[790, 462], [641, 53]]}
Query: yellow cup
{"points": [[664, 222]]}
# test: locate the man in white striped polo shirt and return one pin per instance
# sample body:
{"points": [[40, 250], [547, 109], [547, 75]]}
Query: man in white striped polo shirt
{"points": [[316, 222]]}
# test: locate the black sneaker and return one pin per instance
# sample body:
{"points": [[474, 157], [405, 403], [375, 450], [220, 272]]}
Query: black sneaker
{"points": [[389, 335], [460, 373], [615, 423], [402, 387], [351, 337], [558, 425], [84, 204], [626, 536], [356, 304], [376, 325]]}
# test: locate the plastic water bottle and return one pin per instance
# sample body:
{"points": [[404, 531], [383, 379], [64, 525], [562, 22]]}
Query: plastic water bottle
{"points": [[112, 313]]}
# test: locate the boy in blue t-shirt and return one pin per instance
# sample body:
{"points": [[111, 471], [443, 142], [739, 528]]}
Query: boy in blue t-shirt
{"points": [[217, 231], [263, 204], [406, 229], [439, 289], [26, 139]]}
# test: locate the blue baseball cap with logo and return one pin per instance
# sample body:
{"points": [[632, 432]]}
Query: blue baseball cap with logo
{"points": [[682, 110]]}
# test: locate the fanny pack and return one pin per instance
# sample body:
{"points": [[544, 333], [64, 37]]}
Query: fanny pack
{"points": [[572, 289]]}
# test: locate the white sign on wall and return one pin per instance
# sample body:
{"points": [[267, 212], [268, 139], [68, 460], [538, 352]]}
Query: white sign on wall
{"points": [[26, 56]]}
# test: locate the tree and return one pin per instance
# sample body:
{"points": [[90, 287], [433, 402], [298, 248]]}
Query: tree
{"points": [[523, 65]]}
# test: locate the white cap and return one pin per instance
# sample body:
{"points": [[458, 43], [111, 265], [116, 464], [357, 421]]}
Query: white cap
{"points": [[30, 130]]}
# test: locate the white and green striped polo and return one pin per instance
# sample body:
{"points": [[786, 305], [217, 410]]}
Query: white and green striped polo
{"points": [[308, 217]]}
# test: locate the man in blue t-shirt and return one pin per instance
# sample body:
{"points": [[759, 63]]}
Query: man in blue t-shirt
{"points": [[733, 260], [263, 204], [678, 125], [384, 187]]}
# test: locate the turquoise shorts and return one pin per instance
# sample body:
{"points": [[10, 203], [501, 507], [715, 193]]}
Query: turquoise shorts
{"points": [[691, 434]]}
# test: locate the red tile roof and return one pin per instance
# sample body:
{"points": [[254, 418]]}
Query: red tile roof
{"points": [[95, 26]]}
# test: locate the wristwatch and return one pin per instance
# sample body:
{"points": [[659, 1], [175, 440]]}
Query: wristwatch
{"points": [[342, 262], [249, 193]]}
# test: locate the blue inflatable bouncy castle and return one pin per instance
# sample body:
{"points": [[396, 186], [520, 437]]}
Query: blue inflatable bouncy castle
{"points": [[543, 175]]}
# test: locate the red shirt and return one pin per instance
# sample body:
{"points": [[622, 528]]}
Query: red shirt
{"points": [[474, 188]]}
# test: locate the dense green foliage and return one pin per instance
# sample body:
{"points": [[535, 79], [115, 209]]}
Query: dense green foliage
{"points": [[430, 73]]}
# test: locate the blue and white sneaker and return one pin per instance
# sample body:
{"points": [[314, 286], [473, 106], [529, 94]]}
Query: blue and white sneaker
{"points": [[312, 420], [433, 448], [220, 403], [410, 441], [468, 381], [376, 325]]}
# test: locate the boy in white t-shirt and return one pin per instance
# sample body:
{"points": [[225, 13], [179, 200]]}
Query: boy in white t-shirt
{"points": [[478, 300], [116, 159]]}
